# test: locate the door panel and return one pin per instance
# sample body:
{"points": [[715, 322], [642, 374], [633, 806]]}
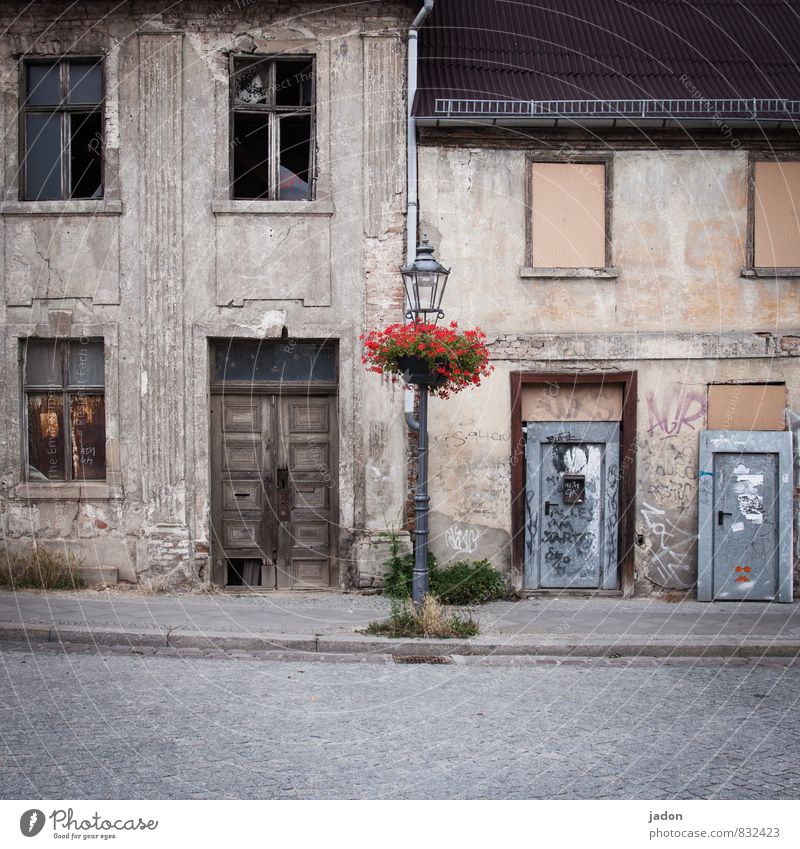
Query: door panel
{"points": [[241, 534], [745, 526], [305, 543], [242, 416], [241, 454], [571, 505], [274, 490], [241, 479], [240, 494]]}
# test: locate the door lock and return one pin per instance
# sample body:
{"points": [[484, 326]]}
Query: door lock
{"points": [[284, 496]]}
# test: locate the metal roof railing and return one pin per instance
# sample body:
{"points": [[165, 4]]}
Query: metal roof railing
{"points": [[690, 107]]}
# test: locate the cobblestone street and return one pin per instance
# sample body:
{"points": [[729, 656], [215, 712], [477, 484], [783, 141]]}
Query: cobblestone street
{"points": [[159, 723]]}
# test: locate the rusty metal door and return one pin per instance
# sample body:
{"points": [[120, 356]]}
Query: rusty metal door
{"points": [[745, 516], [273, 490], [571, 505]]}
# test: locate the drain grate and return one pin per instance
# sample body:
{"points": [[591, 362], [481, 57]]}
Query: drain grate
{"points": [[422, 658]]}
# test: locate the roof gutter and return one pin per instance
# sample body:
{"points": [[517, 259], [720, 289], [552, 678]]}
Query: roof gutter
{"points": [[412, 192], [613, 123]]}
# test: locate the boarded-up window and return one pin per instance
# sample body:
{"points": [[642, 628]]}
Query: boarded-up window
{"points": [[65, 406], [776, 236], [572, 402], [568, 215], [746, 406]]}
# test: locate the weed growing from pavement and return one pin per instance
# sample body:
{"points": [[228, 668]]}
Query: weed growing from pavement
{"points": [[432, 620]]}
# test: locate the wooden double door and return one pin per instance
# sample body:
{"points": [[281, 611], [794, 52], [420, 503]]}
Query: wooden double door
{"points": [[274, 490]]}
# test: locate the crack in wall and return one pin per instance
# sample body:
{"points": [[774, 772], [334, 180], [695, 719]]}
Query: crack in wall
{"points": [[51, 270]]}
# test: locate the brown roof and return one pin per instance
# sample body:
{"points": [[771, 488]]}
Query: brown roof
{"points": [[495, 57]]}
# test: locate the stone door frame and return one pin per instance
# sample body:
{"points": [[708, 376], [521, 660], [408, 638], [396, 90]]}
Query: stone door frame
{"points": [[627, 484], [278, 390]]}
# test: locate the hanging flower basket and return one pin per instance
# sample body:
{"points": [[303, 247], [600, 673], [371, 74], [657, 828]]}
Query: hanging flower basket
{"points": [[418, 371], [440, 358]]}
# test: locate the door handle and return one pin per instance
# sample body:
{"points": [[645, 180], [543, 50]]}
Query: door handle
{"points": [[547, 508], [720, 514]]}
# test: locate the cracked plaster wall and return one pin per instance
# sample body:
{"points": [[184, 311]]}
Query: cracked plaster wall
{"points": [[166, 262], [679, 314]]}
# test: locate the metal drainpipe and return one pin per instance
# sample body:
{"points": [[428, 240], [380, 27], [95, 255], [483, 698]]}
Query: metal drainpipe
{"points": [[412, 194]]}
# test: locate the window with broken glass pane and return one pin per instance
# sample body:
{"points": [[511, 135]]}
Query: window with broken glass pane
{"points": [[272, 126], [64, 384], [62, 129]]}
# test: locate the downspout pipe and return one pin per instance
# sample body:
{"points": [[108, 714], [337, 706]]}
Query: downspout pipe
{"points": [[412, 193]]}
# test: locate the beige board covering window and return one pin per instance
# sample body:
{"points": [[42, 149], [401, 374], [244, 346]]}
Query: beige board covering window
{"points": [[568, 215], [587, 402], [776, 209], [746, 407]]}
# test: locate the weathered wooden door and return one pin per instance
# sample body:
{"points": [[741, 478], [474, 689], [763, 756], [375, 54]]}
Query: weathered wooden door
{"points": [[273, 484], [745, 516], [571, 498]]}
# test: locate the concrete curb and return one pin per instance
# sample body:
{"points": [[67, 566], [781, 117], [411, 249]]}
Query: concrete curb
{"points": [[624, 646]]}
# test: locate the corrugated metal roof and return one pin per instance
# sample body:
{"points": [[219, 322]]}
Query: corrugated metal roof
{"points": [[705, 51]]}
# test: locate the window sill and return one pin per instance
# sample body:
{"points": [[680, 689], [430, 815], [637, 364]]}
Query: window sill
{"points": [[569, 273], [61, 207], [272, 207], [751, 273], [67, 491]]}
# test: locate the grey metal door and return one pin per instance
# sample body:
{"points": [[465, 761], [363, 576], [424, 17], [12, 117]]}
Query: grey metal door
{"points": [[746, 530], [744, 526], [571, 499]]}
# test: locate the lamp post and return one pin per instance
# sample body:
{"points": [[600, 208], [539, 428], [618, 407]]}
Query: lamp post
{"points": [[425, 281]]}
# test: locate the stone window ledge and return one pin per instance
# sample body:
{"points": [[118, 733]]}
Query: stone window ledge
{"points": [[61, 207], [272, 207], [67, 491], [569, 273], [751, 273]]}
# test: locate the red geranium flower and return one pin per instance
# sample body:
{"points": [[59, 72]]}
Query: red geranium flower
{"points": [[462, 358]]}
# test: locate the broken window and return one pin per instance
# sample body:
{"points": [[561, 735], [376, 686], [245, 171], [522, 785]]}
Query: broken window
{"points": [[62, 129], [272, 128], [776, 230], [568, 215], [281, 361], [64, 385]]}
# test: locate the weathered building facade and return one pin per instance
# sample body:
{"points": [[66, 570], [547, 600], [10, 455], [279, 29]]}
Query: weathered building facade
{"points": [[618, 199], [204, 207], [202, 204]]}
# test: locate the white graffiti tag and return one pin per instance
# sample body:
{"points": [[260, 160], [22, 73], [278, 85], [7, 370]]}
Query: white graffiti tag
{"points": [[672, 548], [462, 539]]}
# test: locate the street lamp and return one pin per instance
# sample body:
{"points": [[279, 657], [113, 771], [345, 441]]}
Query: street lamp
{"points": [[425, 281]]}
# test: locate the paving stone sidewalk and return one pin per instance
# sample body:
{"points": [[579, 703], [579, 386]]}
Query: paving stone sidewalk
{"points": [[333, 621]]}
